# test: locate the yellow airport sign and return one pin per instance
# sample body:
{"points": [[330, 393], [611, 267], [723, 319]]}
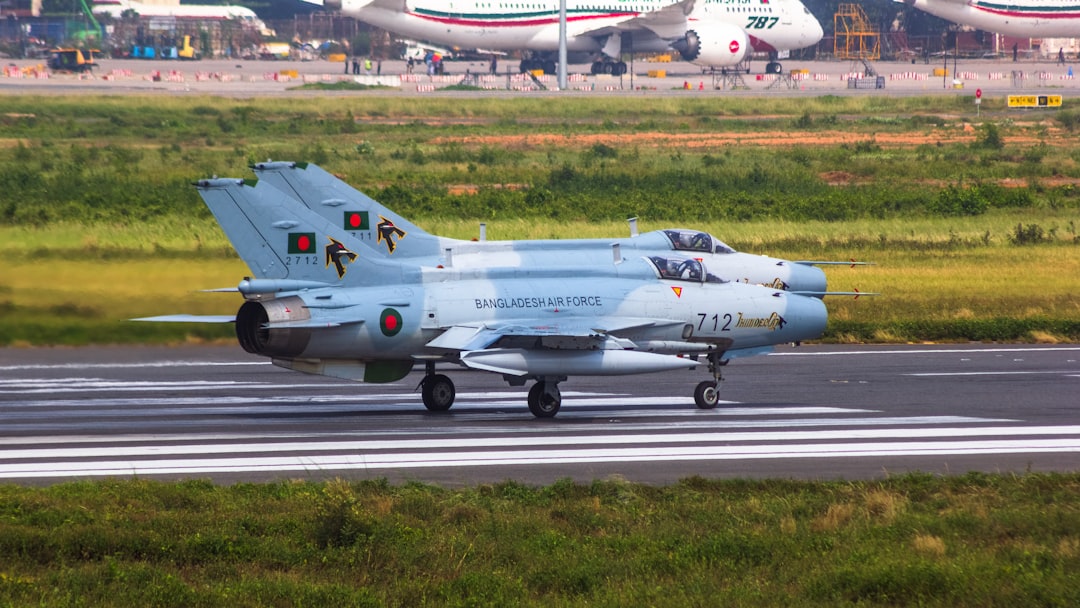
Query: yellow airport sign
{"points": [[1034, 101]]}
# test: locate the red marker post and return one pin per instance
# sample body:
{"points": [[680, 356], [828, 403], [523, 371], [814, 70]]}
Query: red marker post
{"points": [[978, 102]]}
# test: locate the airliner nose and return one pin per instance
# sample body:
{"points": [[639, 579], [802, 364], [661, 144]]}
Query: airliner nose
{"points": [[813, 31]]}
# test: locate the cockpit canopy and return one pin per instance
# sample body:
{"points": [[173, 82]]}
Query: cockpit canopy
{"points": [[695, 241], [678, 268]]}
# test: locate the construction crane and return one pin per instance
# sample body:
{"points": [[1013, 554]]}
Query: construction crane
{"points": [[98, 32]]}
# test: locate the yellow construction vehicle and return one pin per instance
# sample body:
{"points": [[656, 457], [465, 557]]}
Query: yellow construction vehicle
{"points": [[186, 51], [72, 60]]}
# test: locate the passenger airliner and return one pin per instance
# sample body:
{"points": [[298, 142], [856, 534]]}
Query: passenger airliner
{"points": [[116, 8], [1027, 18], [710, 33]]}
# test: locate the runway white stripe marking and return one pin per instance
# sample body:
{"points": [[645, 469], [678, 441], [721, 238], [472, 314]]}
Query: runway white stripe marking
{"points": [[89, 385], [374, 462], [144, 364], [544, 441], [1032, 373], [514, 428], [927, 351]]}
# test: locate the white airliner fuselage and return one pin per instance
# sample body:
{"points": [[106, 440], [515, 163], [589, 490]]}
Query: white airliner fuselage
{"points": [[116, 9], [715, 33], [1026, 18]]}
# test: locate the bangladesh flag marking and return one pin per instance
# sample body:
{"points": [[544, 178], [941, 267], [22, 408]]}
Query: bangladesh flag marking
{"points": [[357, 220], [301, 242], [390, 322]]}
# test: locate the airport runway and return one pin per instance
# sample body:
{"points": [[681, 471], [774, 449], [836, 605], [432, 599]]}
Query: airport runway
{"points": [[814, 412], [239, 78]]}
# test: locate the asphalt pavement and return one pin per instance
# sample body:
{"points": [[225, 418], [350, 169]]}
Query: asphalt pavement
{"points": [[247, 78], [813, 412]]}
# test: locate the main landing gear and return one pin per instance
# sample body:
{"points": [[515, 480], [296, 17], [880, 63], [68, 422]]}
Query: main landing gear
{"points": [[707, 393], [437, 390], [438, 394], [545, 399]]}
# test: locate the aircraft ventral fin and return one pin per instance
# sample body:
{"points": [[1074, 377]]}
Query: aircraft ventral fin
{"points": [[462, 337]]}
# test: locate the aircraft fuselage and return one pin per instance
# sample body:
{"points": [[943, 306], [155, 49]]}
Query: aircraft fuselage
{"points": [[1027, 18]]}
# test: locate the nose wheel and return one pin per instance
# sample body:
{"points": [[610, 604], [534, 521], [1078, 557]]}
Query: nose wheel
{"points": [[544, 399], [707, 393]]}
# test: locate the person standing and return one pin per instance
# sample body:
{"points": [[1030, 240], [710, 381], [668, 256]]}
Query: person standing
{"points": [[1061, 56], [1016, 51], [494, 64]]}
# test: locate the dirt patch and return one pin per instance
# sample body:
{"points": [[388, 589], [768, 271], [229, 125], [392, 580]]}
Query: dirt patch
{"points": [[473, 188], [786, 139]]}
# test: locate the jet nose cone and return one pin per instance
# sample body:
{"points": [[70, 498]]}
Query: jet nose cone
{"points": [[806, 318], [807, 279]]}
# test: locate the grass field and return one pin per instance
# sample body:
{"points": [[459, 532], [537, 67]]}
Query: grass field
{"points": [[970, 224], [939, 279], [970, 540]]}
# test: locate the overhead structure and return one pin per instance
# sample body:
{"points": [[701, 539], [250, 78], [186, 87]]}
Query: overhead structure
{"points": [[855, 37]]}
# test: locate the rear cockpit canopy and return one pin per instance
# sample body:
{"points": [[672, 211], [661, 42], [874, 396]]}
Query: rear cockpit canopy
{"points": [[695, 241]]}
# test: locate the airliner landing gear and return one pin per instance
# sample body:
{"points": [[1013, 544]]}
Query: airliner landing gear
{"points": [[615, 68], [773, 67], [707, 393], [437, 390], [545, 399]]}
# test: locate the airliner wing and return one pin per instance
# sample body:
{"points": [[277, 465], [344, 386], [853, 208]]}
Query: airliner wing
{"points": [[666, 22]]}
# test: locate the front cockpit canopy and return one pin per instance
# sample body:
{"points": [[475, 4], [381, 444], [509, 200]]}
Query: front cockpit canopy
{"points": [[696, 241], [678, 268]]}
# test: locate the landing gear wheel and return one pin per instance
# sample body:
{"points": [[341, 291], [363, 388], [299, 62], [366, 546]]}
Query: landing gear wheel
{"points": [[545, 399], [706, 396], [774, 67], [438, 392]]}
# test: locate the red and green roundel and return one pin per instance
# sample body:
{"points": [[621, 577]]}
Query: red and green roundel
{"points": [[390, 322], [357, 220], [301, 242]]}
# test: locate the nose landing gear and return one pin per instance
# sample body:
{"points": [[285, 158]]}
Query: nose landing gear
{"points": [[707, 393]]}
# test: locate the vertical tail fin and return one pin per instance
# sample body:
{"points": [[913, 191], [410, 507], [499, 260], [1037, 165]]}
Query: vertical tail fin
{"points": [[280, 239], [353, 211]]}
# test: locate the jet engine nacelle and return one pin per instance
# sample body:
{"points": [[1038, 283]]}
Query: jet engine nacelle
{"points": [[254, 328], [722, 45]]}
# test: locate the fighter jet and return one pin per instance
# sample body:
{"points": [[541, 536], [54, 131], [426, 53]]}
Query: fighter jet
{"points": [[369, 221], [319, 303]]}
